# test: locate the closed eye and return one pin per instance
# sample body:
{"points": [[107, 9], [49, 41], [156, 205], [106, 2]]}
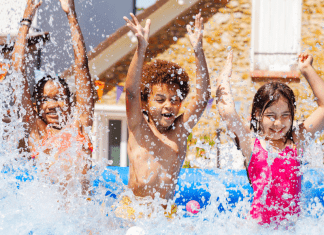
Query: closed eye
{"points": [[159, 100]]}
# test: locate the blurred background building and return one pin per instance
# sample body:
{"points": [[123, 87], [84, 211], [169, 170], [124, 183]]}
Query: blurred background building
{"points": [[265, 35]]}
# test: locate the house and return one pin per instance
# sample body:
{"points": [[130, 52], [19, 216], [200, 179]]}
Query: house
{"points": [[266, 37]]}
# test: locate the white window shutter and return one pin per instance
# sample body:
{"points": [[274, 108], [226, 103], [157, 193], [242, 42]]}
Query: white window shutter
{"points": [[276, 34]]}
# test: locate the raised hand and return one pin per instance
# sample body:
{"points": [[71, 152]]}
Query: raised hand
{"points": [[67, 6], [196, 36], [304, 61], [31, 9], [141, 33]]}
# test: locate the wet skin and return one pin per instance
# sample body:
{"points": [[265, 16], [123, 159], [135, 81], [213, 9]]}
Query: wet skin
{"points": [[276, 122], [163, 105], [158, 146], [54, 106]]}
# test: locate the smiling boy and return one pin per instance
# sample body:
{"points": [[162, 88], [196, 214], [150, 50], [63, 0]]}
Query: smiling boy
{"points": [[158, 138]]}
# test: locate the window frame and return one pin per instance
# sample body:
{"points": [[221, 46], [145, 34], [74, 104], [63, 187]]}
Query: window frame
{"points": [[264, 75], [102, 115]]}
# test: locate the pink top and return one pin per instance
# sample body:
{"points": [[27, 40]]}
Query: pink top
{"points": [[276, 184]]}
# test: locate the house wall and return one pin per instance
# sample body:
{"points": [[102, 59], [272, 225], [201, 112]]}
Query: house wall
{"points": [[227, 26], [230, 28]]}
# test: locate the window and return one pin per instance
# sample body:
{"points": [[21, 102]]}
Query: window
{"points": [[110, 134], [114, 134], [276, 35]]}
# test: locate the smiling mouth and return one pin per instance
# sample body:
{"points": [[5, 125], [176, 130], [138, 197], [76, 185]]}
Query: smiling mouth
{"points": [[277, 131], [167, 115], [52, 115]]}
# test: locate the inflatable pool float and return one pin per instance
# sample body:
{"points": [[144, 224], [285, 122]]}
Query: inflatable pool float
{"points": [[194, 184]]}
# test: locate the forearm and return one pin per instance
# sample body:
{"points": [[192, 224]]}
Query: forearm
{"points": [[316, 83], [78, 44], [18, 63], [224, 97], [202, 80], [84, 93], [18, 54], [134, 75]]}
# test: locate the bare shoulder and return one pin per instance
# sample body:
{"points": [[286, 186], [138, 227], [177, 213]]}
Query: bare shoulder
{"points": [[179, 122], [37, 131], [34, 137], [141, 126]]}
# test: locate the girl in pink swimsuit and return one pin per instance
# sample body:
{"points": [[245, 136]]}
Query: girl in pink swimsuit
{"points": [[276, 184], [270, 143]]}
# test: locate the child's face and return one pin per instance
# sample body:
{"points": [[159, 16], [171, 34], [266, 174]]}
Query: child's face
{"points": [[54, 105], [276, 120], [163, 104]]}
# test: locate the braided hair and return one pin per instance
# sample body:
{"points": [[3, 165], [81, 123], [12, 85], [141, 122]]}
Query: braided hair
{"points": [[39, 89]]}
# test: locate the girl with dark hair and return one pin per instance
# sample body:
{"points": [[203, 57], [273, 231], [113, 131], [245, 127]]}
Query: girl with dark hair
{"points": [[271, 153], [52, 130]]}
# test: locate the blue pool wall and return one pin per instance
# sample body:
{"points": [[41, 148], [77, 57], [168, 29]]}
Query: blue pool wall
{"points": [[194, 184]]}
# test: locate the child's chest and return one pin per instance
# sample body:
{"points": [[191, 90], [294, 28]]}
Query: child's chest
{"points": [[66, 143], [162, 145]]}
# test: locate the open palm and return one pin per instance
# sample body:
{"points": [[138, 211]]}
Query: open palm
{"points": [[141, 33], [196, 36]]}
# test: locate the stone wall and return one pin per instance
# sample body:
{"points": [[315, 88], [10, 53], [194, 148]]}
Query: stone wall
{"points": [[227, 26]]}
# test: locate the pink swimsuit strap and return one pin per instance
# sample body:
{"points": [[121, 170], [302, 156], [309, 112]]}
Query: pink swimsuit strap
{"points": [[276, 182]]}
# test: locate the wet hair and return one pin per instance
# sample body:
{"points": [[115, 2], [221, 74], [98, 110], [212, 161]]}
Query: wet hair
{"points": [[161, 71], [39, 88], [265, 97]]}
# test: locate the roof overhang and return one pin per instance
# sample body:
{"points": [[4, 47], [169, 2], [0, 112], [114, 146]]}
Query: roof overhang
{"points": [[119, 44]]}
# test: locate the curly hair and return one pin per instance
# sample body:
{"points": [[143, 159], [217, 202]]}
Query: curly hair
{"points": [[161, 71]]}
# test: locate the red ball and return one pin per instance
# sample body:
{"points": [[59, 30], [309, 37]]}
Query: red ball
{"points": [[193, 207]]}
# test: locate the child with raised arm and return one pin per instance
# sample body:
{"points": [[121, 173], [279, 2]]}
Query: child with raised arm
{"points": [[52, 130], [158, 139], [271, 154]]}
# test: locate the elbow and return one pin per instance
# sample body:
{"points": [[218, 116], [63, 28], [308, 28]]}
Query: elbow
{"points": [[204, 98]]}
